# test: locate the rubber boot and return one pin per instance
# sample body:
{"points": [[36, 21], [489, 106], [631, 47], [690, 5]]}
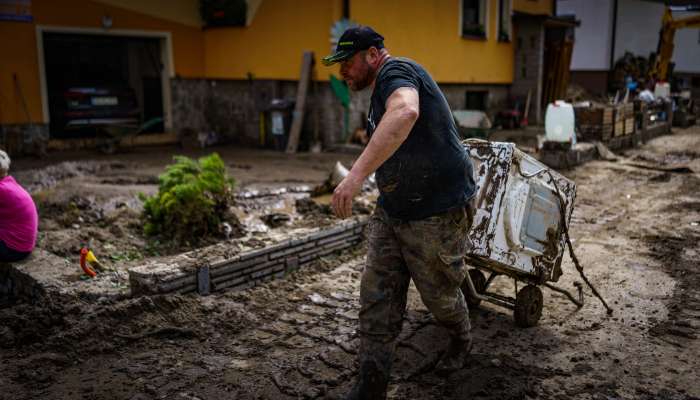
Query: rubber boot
{"points": [[375, 369], [457, 351]]}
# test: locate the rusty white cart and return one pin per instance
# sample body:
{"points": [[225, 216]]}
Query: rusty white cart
{"points": [[518, 228]]}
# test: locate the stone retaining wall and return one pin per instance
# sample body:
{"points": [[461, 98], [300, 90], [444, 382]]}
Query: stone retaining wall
{"points": [[247, 269]]}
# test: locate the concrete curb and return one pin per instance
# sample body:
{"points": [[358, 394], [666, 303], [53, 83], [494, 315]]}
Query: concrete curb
{"points": [[584, 152]]}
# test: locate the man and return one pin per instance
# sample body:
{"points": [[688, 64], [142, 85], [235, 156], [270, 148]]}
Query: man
{"points": [[419, 228], [18, 216]]}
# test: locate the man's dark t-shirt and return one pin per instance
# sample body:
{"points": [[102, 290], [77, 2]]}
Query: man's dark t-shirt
{"points": [[431, 172]]}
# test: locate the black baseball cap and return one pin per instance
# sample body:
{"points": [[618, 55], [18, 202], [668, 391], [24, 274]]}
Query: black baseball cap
{"points": [[353, 40]]}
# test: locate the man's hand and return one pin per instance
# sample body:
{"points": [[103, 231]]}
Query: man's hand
{"points": [[343, 195]]}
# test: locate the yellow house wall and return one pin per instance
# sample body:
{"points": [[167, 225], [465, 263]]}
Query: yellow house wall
{"points": [[19, 45], [539, 7], [426, 31], [185, 12], [430, 33], [271, 47]]}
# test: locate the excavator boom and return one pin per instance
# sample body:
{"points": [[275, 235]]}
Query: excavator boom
{"points": [[664, 50]]}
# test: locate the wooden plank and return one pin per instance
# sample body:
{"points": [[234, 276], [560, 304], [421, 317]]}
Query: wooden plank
{"points": [[619, 129], [300, 106]]}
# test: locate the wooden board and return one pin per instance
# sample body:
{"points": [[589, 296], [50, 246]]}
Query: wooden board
{"points": [[592, 133], [300, 106], [593, 116], [619, 128]]}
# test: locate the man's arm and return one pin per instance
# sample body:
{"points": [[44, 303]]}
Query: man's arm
{"points": [[402, 109]]}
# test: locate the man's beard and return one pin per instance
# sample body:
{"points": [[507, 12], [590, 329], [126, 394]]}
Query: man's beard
{"points": [[365, 80]]}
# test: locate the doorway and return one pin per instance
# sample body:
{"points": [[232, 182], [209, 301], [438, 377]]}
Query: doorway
{"points": [[92, 82]]}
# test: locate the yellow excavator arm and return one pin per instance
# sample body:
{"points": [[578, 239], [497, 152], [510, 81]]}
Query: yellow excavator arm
{"points": [[664, 50]]}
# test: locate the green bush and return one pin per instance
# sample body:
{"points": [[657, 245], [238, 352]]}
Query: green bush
{"points": [[193, 199]]}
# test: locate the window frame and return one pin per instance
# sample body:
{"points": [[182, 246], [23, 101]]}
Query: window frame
{"points": [[484, 19], [501, 14]]}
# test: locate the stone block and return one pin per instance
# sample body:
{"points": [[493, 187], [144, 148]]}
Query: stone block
{"points": [[227, 269], [292, 250], [203, 283]]}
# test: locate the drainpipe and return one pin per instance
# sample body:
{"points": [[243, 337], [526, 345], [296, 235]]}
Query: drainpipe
{"points": [[612, 41], [346, 9]]}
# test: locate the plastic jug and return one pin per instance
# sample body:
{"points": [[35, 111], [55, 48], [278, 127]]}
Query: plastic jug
{"points": [[559, 122], [662, 89]]}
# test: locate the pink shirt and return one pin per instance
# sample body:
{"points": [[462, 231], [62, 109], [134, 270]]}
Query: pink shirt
{"points": [[18, 217]]}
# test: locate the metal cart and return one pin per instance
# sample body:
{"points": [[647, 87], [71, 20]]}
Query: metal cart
{"points": [[517, 229]]}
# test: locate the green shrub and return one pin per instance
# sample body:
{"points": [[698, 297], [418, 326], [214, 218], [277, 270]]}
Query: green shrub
{"points": [[193, 199]]}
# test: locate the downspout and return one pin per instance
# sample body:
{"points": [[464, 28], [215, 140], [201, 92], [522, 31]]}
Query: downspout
{"points": [[612, 41], [346, 9]]}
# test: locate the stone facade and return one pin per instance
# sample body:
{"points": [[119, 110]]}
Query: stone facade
{"points": [[496, 98], [232, 108], [529, 69], [21, 139]]}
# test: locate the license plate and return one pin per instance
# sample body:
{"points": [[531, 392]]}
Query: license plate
{"points": [[104, 101]]}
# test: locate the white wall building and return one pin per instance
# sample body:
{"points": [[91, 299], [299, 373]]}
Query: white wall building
{"points": [[609, 28]]}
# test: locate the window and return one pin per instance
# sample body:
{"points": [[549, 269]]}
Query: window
{"points": [[474, 18], [476, 100], [504, 22]]}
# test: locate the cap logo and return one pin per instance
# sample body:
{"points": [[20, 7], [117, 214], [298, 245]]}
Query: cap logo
{"points": [[345, 43]]}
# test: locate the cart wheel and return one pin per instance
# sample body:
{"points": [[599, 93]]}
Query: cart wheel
{"points": [[528, 306], [479, 281]]}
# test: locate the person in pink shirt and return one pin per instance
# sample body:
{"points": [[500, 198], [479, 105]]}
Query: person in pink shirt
{"points": [[18, 216]]}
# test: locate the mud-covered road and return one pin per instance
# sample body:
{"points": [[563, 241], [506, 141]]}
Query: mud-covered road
{"points": [[636, 229]]}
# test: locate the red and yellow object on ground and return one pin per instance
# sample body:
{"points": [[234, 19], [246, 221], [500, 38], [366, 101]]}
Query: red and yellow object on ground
{"points": [[88, 257]]}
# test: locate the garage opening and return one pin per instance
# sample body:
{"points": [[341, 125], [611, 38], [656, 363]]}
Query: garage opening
{"points": [[103, 85]]}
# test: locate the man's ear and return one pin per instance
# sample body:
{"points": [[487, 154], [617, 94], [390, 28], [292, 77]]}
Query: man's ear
{"points": [[371, 55]]}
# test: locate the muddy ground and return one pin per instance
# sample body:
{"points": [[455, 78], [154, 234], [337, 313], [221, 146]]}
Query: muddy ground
{"points": [[636, 229], [95, 201]]}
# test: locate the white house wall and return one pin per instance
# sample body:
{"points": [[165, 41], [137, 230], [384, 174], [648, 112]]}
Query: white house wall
{"points": [[638, 25], [594, 35], [687, 54]]}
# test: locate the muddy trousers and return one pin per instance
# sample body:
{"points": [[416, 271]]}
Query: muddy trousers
{"points": [[429, 251]]}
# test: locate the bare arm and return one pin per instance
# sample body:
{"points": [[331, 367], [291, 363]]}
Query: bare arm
{"points": [[402, 110]]}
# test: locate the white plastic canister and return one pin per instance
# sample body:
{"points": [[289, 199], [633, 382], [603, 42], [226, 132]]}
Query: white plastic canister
{"points": [[559, 122]]}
